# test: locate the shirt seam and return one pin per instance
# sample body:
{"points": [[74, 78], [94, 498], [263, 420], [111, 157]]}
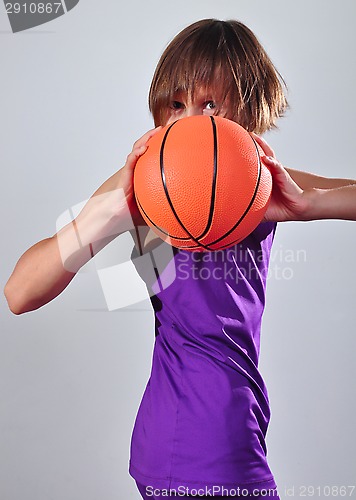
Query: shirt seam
{"points": [[172, 478]]}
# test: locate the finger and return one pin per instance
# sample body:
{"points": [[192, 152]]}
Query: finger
{"points": [[264, 145], [140, 147], [274, 166], [144, 139], [270, 160], [280, 175], [135, 154]]}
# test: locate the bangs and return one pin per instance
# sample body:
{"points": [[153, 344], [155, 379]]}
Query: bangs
{"points": [[199, 63], [224, 60], [206, 77]]}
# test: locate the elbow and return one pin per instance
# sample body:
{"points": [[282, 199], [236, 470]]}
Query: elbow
{"points": [[20, 302], [14, 300], [15, 310]]}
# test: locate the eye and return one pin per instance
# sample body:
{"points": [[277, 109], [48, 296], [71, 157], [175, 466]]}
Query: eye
{"points": [[210, 108], [177, 105], [210, 105]]}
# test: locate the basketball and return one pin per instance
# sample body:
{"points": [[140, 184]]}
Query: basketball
{"points": [[201, 185]]}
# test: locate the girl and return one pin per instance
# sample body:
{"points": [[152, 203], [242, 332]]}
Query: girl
{"points": [[203, 418]]}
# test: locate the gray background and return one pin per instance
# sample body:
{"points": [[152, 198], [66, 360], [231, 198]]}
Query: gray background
{"points": [[73, 101]]}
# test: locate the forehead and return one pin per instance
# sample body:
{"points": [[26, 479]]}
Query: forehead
{"points": [[197, 93]]}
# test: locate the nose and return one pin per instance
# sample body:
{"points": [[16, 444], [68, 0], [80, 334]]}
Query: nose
{"points": [[189, 109], [192, 110]]}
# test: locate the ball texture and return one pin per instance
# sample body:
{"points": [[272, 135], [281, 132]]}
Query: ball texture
{"points": [[201, 184]]}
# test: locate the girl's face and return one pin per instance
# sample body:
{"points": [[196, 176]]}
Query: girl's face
{"points": [[183, 106]]}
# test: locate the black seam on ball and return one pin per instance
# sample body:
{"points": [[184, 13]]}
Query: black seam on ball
{"points": [[259, 173], [213, 184], [155, 225], [161, 160]]}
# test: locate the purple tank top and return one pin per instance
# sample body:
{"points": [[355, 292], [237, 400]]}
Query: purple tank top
{"points": [[204, 413]]}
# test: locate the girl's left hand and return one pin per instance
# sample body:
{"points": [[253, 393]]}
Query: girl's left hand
{"points": [[287, 201]]}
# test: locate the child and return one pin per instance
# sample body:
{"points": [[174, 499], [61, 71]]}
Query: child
{"points": [[204, 415]]}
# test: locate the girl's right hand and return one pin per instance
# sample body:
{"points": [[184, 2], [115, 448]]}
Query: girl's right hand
{"points": [[126, 174]]}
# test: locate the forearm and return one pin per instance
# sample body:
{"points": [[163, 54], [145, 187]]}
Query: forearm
{"points": [[46, 268], [306, 180], [105, 216], [37, 278], [336, 203]]}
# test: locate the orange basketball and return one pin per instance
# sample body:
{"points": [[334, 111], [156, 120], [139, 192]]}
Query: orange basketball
{"points": [[201, 184]]}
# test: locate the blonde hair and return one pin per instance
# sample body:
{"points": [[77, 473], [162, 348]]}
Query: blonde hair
{"points": [[225, 58]]}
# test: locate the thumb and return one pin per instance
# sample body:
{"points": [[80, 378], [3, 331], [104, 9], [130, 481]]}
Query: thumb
{"points": [[280, 176]]}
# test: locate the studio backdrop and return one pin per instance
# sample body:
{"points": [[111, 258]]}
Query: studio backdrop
{"points": [[74, 86]]}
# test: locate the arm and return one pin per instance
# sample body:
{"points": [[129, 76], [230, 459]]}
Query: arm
{"points": [[290, 202], [303, 196], [47, 268], [334, 203], [306, 180]]}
